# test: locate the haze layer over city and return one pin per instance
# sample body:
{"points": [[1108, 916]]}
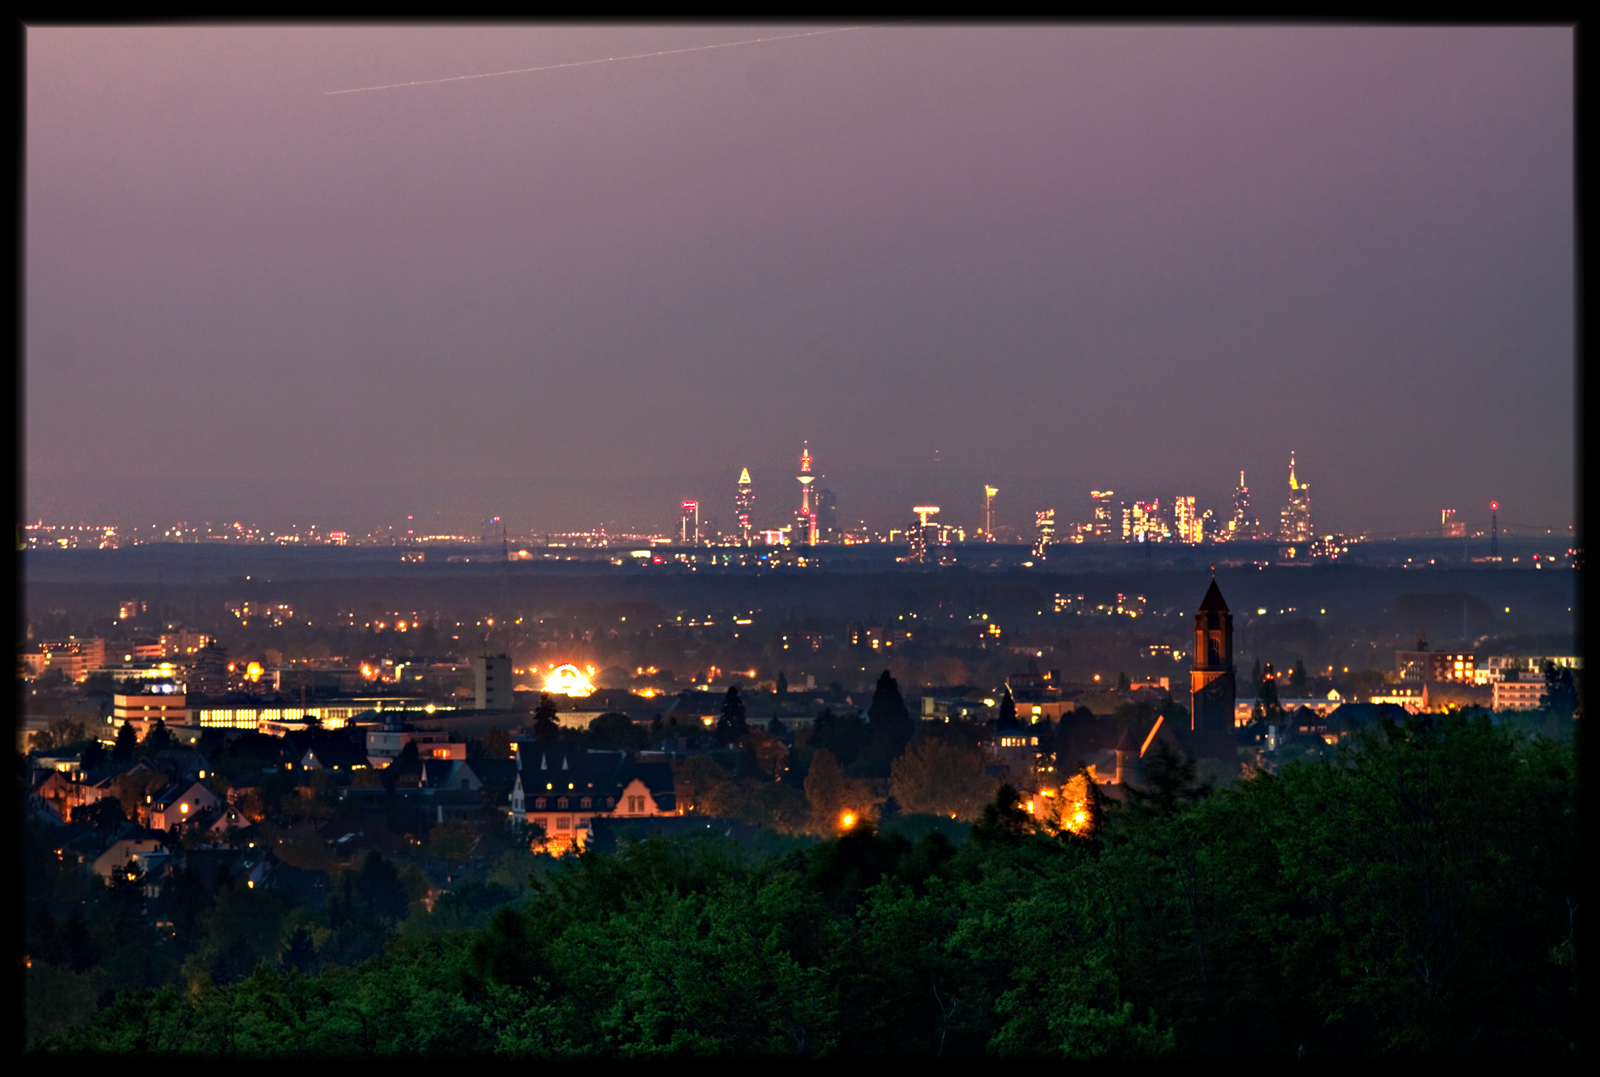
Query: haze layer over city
{"points": [[821, 540]]}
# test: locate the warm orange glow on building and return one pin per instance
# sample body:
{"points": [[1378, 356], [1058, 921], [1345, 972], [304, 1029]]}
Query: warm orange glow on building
{"points": [[569, 680]]}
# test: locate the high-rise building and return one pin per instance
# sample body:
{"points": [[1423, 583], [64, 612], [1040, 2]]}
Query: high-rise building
{"points": [[744, 500], [1241, 525], [689, 524], [1449, 526], [1145, 522], [988, 512], [1294, 525], [1186, 519], [493, 527], [923, 533], [827, 516], [1102, 525], [1044, 524], [1213, 684], [805, 517], [494, 682]]}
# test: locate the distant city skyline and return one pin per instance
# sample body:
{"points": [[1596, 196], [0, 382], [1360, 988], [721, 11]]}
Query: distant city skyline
{"points": [[1048, 259]]}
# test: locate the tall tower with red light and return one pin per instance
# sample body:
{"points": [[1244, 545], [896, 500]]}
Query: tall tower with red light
{"points": [[805, 517]]}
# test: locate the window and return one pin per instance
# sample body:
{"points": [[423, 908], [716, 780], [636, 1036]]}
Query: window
{"points": [[539, 803], [611, 801], [586, 802], [563, 822], [561, 803]]}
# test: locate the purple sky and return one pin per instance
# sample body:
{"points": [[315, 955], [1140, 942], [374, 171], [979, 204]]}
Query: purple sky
{"points": [[1061, 258]]}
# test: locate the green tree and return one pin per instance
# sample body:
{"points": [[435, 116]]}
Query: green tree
{"points": [[936, 777]]}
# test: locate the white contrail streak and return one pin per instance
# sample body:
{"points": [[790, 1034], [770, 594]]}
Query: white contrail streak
{"points": [[587, 63]]}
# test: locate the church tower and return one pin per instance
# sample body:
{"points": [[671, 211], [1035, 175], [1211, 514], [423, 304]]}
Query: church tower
{"points": [[1212, 681]]}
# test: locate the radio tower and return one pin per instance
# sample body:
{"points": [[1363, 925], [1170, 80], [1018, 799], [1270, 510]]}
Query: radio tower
{"points": [[1494, 529], [805, 517]]}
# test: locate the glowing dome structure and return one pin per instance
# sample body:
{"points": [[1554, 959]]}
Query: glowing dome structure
{"points": [[568, 680]]}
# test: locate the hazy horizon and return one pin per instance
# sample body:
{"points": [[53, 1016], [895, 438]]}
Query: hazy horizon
{"points": [[1060, 257]]}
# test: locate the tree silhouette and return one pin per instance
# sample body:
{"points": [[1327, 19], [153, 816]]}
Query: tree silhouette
{"points": [[783, 685], [888, 714], [1008, 714], [732, 726], [1122, 683], [127, 743], [545, 726]]}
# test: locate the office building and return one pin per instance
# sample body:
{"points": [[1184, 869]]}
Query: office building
{"points": [[744, 502], [689, 523], [1186, 519], [1295, 521], [1449, 526], [494, 682], [1044, 527], [827, 516]]}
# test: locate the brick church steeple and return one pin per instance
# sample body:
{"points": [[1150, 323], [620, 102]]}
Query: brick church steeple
{"points": [[1213, 685]]}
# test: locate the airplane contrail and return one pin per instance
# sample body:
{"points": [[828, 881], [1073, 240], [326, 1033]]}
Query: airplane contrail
{"points": [[587, 63]]}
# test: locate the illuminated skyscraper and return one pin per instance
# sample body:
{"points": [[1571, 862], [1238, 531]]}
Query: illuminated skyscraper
{"points": [[1103, 526], [1044, 523], [827, 516], [1449, 526], [1240, 525], [743, 501], [805, 517], [1294, 525], [922, 534], [988, 512], [1187, 521], [689, 524]]}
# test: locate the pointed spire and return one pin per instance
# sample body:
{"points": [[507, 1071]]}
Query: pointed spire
{"points": [[1213, 602], [544, 761], [564, 763], [744, 477], [1293, 485]]}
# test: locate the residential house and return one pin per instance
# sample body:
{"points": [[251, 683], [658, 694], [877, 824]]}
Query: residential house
{"points": [[178, 803], [560, 789]]}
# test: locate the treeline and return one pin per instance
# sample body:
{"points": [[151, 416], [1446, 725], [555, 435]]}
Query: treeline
{"points": [[1415, 895]]}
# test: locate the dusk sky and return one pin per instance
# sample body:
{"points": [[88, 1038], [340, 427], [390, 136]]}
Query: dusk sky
{"points": [[1051, 259]]}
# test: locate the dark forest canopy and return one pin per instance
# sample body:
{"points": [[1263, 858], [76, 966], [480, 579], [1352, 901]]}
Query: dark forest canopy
{"points": [[1417, 894]]}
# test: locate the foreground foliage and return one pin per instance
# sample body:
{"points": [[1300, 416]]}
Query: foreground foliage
{"points": [[1417, 894]]}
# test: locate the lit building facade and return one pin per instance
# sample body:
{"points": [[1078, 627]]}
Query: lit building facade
{"points": [[689, 523], [1044, 525], [1294, 524], [744, 502], [1187, 520]]}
